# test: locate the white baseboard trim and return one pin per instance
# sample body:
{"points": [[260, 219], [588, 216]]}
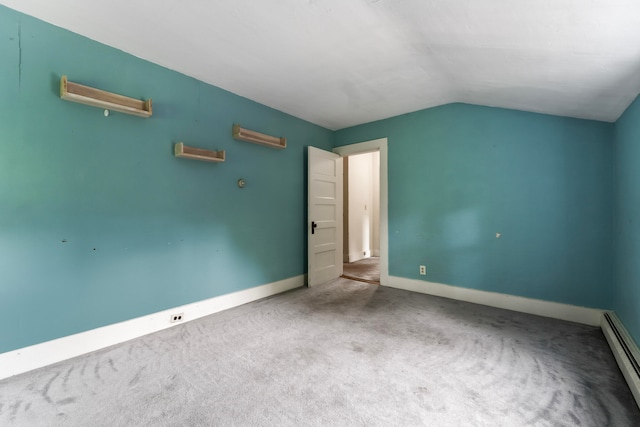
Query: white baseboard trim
{"points": [[572, 313], [357, 256], [46, 353], [619, 338]]}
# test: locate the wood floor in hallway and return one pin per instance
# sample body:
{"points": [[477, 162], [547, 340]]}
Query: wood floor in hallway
{"points": [[364, 270]]}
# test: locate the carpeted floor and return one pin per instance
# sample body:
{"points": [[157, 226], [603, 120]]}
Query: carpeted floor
{"points": [[342, 354], [365, 270]]}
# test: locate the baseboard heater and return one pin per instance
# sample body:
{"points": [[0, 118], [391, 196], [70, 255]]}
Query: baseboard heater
{"points": [[625, 351]]}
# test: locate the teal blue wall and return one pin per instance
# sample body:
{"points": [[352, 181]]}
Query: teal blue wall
{"points": [[627, 219], [99, 222], [459, 174]]}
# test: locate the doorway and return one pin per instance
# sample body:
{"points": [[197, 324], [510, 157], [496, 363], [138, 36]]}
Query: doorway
{"points": [[379, 146], [361, 220]]}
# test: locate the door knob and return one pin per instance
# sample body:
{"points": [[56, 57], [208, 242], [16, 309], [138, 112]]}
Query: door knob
{"points": [[313, 227]]}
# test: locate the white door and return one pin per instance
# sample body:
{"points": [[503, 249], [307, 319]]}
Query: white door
{"points": [[324, 216]]}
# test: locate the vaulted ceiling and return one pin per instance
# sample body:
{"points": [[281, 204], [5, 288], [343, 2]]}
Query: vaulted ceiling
{"points": [[339, 63]]}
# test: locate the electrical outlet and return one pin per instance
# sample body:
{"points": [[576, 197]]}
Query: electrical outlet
{"points": [[176, 317], [423, 270]]}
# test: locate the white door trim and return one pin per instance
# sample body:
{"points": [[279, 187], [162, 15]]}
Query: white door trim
{"points": [[368, 147]]}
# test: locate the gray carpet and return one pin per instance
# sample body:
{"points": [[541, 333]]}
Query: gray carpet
{"points": [[341, 354], [364, 270]]}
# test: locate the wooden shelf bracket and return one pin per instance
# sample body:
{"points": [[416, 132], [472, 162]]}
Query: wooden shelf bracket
{"points": [[258, 138], [181, 150], [75, 92]]}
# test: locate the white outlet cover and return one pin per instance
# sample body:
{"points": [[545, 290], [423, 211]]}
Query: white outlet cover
{"points": [[178, 317]]}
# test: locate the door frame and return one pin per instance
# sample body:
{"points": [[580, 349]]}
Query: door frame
{"points": [[379, 145]]}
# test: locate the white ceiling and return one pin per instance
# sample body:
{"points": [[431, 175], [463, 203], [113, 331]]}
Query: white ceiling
{"points": [[339, 63]]}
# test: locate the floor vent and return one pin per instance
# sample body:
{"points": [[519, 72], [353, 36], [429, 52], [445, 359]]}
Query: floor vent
{"points": [[625, 351]]}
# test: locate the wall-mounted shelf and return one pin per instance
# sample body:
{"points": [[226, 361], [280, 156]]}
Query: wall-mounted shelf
{"points": [[75, 92], [181, 150], [258, 138]]}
